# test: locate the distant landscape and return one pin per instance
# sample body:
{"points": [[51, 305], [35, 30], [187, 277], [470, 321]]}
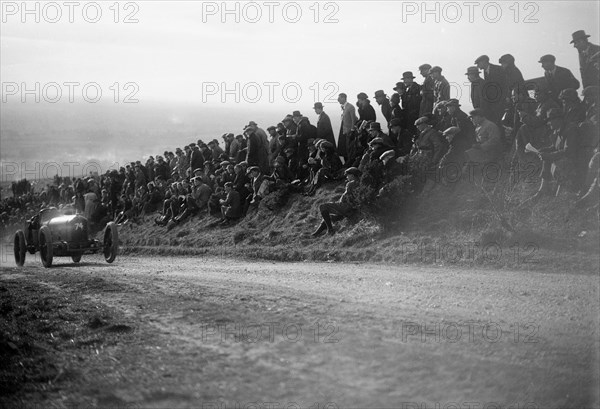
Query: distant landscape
{"points": [[38, 139]]}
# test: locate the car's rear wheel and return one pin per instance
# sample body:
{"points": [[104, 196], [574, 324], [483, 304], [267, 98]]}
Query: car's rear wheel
{"points": [[20, 248], [76, 258], [45, 244], [111, 242]]}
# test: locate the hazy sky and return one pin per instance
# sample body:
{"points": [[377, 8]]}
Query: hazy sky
{"points": [[190, 51], [176, 47]]}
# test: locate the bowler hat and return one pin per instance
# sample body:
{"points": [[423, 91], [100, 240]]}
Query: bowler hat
{"points": [[318, 105], [296, 113], [547, 58], [482, 58], [578, 35], [374, 126], [399, 86], [379, 93], [362, 95], [472, 70], [408, 75], [353, 171]]}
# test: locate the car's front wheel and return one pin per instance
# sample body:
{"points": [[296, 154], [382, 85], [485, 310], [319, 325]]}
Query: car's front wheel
{"points": [[76, 258], [111, 242], [20, 247], [45, 244]]}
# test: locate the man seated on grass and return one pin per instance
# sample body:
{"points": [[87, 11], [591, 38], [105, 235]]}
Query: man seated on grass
{"points": [[344, 207]]}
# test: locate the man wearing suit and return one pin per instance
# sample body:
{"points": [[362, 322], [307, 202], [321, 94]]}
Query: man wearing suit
{"points": [[557, 78], [587, 53], [441, 86], [496, 88], [426, 91], [348, 120], [324, 128]]}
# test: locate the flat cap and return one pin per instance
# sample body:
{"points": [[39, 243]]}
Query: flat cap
{"points": [[547, 58], [482, 58], [388, 154], [472, 70], [435, 69], [422, 120]]}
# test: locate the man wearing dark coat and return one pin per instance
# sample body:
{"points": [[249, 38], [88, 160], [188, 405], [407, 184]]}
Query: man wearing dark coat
{"points": [[384, 102], [588, 57], [514, 77], [256, 155], [441, 86], [324, 128], [496, 88], [411, 100], [557, 78], [478, 98], [426, 91], [196, 158], [366, 112]]}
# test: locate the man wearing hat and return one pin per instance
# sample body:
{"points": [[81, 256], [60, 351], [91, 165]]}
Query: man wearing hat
{"points": [[589, 71], [514, 77], [262, 136], [426, 90], [441, 86], [488, 145], [324, 128], [458, 142], [304, 132], [366, 112], [256, 155], [478, 99], [401, 137], [196, 157], [376, 132], [411, 99], [231, 206], [348, 121], [384, 102], [560, 161], [344, 207], [572, 106], [557, 78], [496, 88]]}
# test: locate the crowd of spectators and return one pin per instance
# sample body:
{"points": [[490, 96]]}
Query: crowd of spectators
{"points": [[514, 123]]}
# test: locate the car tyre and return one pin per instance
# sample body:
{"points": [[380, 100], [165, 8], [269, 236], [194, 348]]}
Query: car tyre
{"points": [[45, 244], [111, 242], [76, 258], [20, 248]]}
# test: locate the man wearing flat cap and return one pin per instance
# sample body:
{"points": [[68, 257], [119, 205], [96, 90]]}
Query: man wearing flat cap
{"points": [[514, 77], [478, 99], [589, 71], [488, 145], [441, 87], [496, 88], [324, 128], [562, 160], [346, 205], [458, 142], [348, 121], [426, 90], [557, 78]]}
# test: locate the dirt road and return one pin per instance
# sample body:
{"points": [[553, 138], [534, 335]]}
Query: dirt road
{"points": [[215, 333]]}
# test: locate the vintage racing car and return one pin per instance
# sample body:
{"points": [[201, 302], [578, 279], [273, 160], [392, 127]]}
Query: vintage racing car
{"points": [[54, 234]]}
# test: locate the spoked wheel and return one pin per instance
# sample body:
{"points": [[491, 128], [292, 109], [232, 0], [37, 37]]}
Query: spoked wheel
{"points": [[45, 244], [20, 248], [76, 258], [111, 242]]}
